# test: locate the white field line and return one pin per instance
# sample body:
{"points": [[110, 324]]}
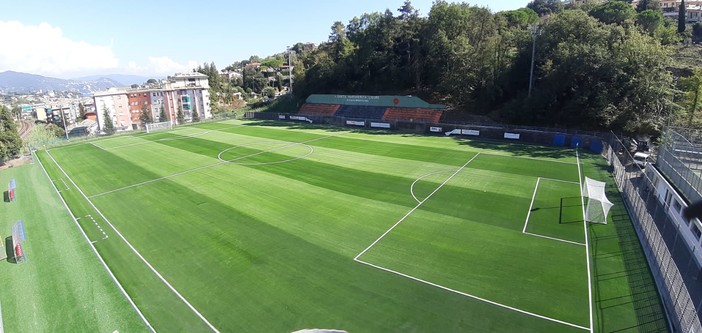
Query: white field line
{"points": [[192, 308], [422, 177], [64, 184], [529, 158], [182, 137], [531, 205], [587, 243], [559, 180], [554, 238], [107, 268], [471, 296], [417, 206], [205, 167], [97, 145], [526, 223]]}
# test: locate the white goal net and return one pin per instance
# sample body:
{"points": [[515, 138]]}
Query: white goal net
{"points": [[597, 205], [166, 125]]}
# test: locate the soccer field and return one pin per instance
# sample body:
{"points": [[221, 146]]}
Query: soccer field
{"points": [[232, 226]]}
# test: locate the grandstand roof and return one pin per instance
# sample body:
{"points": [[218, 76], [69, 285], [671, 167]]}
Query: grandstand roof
{"points": [[374, 100]]}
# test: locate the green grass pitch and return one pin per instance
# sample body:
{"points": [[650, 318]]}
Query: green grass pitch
{"points": [[235, 226]]}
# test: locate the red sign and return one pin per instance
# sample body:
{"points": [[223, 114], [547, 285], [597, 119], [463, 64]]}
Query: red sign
{"points": [[396, 101]]}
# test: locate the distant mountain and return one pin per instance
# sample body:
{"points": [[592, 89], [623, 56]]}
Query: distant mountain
{"points": [[123, 79], [11, 81]]}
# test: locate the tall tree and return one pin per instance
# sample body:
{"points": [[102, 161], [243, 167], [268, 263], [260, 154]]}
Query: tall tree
{"points": [[613, 12], [81, 112], [10, 141], [649, 20], [108, 125], [682, 17], [179, 116], [545, 7], [145, 116], [162, 114], [196, 114]]}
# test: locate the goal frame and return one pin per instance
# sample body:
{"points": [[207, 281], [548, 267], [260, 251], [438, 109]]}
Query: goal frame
{"points": [[160, 126]]}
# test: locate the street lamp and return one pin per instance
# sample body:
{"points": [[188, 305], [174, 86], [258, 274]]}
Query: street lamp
{"points": [[535, 30]]}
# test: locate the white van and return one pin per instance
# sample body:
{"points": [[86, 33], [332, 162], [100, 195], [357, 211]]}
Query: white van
{"points": [[641, 159]]}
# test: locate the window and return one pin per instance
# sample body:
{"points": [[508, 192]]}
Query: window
{"points": [[696, 231], [676, 206]]}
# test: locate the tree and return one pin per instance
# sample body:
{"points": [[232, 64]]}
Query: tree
{"points": [[613, 12], [682, 18], [179, 116], [151, 81], [692, 88], [545, 7], [108, 125], [10, 141], [196, 114], [648, 4], [42, 135], [269, 92], [81, 112], [162, 115], [649, 20], [145, 116]]}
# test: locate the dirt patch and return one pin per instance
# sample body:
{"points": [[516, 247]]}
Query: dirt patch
{"points": [[22, 160]]}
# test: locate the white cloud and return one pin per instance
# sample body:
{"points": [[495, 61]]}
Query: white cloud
{"points": [[160, 66], [165, 65], [43, 49]]}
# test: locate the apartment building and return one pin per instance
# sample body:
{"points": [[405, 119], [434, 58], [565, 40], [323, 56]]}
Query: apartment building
{"points": [[188, 92], [116, 102]]}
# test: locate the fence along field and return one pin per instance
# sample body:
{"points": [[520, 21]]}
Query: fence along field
{"points": [[223, 236]]}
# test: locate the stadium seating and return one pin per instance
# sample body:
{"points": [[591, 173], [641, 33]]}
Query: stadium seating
{"points": [[318, 109], [413, 114], [361, 112]]}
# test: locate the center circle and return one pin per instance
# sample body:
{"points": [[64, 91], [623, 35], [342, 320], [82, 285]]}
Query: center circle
{"points": [[265, 153]]}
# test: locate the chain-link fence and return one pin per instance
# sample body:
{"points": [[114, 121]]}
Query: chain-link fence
{"points": [[680, 159], [671, 260]]}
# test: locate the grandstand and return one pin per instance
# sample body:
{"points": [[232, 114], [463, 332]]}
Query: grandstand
{"points": [[319, 110], [413, 115], [387, 108], [361, 112]]}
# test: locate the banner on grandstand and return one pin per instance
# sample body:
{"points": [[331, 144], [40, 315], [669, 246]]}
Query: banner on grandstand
{"points": [[435, 129], [380, 125], [281, 116], [513, 136], [355, 123], [470, 132], [303, 118]]}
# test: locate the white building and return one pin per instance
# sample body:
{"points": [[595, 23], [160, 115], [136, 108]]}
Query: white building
{"points": [[116, 103], [189, 93]]}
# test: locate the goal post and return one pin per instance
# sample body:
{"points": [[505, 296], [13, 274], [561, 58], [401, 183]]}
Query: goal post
{"points": [[597, 205], [162, 126]]}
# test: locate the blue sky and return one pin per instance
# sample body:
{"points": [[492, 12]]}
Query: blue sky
{"points": [[73, 38]]}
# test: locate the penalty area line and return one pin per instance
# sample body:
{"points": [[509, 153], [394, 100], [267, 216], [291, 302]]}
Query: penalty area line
{"points": [[472, 296], [531, 205]]}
